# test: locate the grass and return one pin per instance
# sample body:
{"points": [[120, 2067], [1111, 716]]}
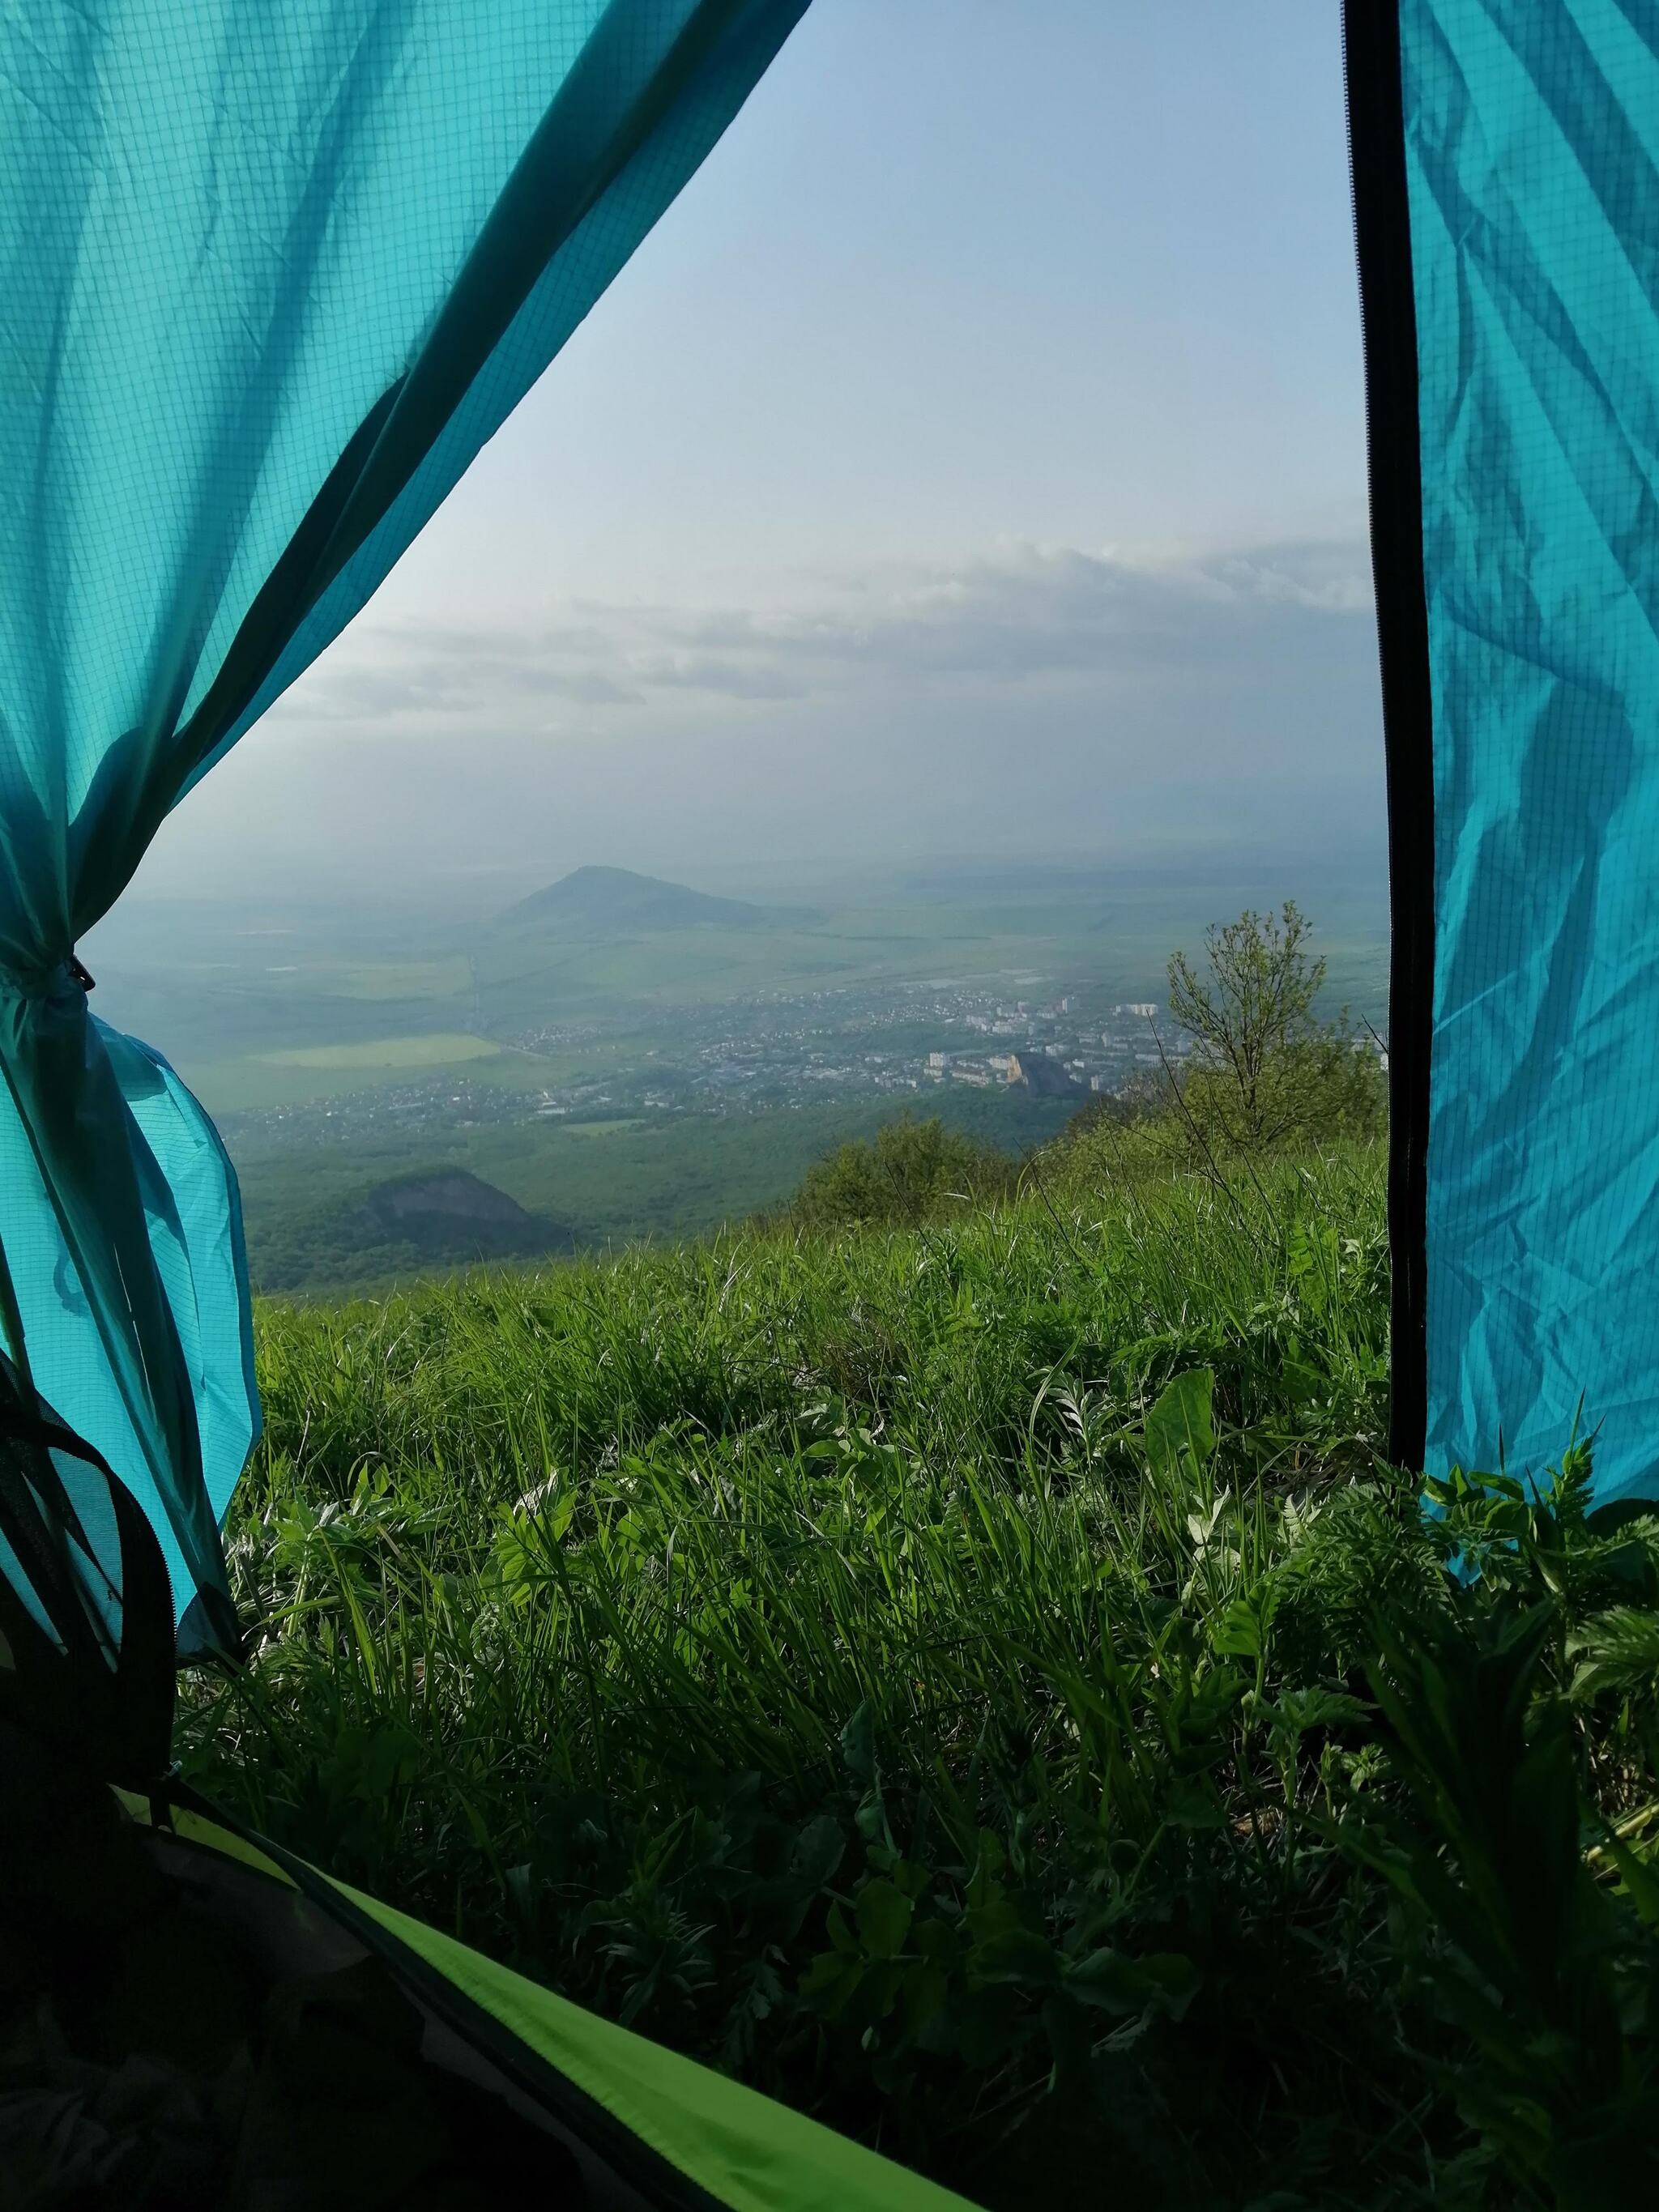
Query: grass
{"points": [[982, 1685]]}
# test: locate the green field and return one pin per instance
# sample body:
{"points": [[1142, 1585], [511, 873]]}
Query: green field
{"points": [[440, 1048], [983, 1685], [398, 978], [607, 1182]]}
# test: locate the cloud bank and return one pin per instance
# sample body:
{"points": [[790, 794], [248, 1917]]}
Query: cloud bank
{"points": [[1032, 617], [1038, 700]]}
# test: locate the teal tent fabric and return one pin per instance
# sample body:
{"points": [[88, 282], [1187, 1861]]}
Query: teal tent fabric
{"points": [[270, 275], [1531, 149]]}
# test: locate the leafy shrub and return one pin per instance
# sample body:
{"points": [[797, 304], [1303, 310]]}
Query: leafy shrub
{"points": [[906, 1172], [1266, 1074], [1267, 1070]]}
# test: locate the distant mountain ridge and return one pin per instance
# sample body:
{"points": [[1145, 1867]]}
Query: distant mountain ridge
{"points": [[599, 902]]}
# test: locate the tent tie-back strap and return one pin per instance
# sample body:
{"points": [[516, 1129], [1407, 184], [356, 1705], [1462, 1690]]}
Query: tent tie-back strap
{"points": [[122, 1243], [48, 980]]}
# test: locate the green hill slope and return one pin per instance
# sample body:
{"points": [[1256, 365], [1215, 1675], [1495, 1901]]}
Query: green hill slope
{"points": [[935, 1675]]}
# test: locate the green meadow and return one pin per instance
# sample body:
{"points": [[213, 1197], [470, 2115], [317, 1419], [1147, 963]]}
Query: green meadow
{"points": [[436, 1049], [983, 1682]]}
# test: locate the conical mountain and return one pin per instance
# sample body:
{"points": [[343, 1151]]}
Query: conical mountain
{"points": [[599, 902]]}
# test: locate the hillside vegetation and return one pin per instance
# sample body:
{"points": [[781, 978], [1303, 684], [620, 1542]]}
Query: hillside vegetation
{"points": [[1269, 1075], [593, 1184], [974, 1673], [981, 1683]]}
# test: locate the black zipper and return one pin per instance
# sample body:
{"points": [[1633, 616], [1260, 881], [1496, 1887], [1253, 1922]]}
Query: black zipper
{"points": [[1382, 218]]}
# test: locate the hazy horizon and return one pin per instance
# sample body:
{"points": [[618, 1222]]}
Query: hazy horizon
{"points": [[971, 464]]}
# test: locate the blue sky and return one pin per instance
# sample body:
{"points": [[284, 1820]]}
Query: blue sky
{"points": [[971, 461]]}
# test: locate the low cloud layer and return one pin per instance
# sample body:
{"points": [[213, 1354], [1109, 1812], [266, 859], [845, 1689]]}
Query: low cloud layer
{"points": [[1042, 699], [1036, 617]]}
